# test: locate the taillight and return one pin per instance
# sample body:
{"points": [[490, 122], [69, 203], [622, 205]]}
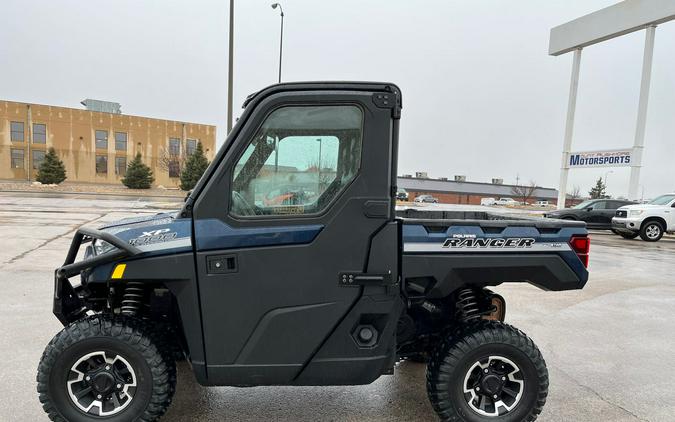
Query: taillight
{"points": [[581, 245]]}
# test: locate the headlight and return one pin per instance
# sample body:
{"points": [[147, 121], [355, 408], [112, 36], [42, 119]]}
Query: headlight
{"points": [[635, 213]]}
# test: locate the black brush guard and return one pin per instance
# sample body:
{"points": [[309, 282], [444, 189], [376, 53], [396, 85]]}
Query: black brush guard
{"points": [[67, 305]]}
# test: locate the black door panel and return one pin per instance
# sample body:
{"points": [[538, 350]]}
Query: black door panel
{"points": [[298, 226]]}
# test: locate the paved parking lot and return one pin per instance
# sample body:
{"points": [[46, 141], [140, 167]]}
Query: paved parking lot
{"points": [[609, 347]]}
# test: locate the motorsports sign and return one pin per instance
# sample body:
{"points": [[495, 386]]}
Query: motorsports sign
{"points": [[608, 158]]}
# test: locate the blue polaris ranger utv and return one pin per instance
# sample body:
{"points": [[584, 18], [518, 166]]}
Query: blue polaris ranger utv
{"points": [[288, 264]]}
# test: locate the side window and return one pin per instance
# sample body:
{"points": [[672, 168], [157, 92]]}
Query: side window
{"points": [[600, 205], [301, 158], [615, 204]]}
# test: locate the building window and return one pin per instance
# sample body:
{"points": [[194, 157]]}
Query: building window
{"points": [[101, 139], [174, 169], [120, 141], [38, 157], [174, 146], [39, 133], [17, 158], [120, 166], [101, 164], [190, 146], [16, 131]]}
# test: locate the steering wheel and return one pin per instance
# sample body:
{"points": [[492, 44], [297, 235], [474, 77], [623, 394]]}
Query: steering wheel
{"points": [[241, 206]]}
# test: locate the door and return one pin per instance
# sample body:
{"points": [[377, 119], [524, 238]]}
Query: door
{"points": [[304, 185], [670, 217], [600, 214]]}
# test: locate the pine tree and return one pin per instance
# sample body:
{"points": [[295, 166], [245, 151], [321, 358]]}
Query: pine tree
{"points": [[194, 167], [598, 191], [51, 169], [138, 175]]}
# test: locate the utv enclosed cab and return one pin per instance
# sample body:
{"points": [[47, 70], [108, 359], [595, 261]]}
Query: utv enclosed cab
{"points": [[287, 265]]}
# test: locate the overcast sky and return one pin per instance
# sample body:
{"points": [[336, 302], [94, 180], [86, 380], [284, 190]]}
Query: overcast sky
{"points": [[481, 96]]}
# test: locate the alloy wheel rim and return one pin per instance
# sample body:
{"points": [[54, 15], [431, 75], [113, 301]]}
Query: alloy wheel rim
{"points": [[652, 231], [493, 386], [101, 383]]}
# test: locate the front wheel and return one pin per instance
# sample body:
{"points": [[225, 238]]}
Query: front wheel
{"points": [[651, 231], [489, 371], [105, 368]]}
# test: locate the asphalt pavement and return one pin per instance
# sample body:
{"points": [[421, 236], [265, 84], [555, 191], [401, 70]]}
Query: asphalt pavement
{"points": [[608, 347]]}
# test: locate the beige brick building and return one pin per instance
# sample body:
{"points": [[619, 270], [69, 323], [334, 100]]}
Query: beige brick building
{"points": [[95, 146]]}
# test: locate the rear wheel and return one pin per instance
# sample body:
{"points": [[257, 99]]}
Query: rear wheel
{"points": [[104, 368], [490, 371], [651, 231]]}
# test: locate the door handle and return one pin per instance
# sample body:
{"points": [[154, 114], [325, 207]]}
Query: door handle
{"points": [[364, 279]]}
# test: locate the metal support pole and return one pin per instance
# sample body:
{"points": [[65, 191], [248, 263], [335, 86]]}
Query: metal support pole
{"points": [[230, 69], [569, 128], [638, 146]]}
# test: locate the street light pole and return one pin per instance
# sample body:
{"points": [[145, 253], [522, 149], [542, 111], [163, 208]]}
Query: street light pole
{"points": [[606, 173], [230, 67], [320, 143], [281, 37]]}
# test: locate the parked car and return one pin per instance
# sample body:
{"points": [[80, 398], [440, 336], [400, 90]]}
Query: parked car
{"points": [[649, 221], [597, 213], [487, 201], [426, 198], [401, 194], [507, 201], [542, 204]]}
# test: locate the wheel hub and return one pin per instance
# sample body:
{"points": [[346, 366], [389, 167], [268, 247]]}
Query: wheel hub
{"points": [[101, 383], [652, 231], [493, 386]]}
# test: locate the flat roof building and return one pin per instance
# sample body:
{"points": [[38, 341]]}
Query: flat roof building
{"points": [[95, 146], [463, 192]]}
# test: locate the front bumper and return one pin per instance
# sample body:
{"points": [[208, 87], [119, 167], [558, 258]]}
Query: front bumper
{"points": [[626, 224], [67, 306]]}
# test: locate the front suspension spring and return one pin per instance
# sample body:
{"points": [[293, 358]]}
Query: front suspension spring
{"points": [[133, 297]]}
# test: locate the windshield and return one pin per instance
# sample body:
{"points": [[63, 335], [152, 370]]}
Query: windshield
{"points": [[662, 200], [583, 205]]}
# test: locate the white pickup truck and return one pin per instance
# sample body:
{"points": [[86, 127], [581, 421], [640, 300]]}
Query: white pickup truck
{"points": [[650, 221]]}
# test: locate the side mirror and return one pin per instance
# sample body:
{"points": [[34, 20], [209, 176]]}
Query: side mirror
{"points": [[589, 208]]}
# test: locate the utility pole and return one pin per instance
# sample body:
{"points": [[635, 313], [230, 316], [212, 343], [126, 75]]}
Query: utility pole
{"points": [[230, 69], [29, 139]]}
